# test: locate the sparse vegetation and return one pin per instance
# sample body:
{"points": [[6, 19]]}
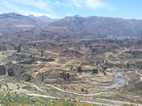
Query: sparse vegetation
{"points": [[10, 100], [68, 60]]}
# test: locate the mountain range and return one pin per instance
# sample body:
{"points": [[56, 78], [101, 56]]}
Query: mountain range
{"points": [[14, 25]]}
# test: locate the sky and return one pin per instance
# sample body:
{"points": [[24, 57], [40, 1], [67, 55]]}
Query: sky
{"points": [[62, 8]]}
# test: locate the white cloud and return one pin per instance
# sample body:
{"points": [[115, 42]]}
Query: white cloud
{"points": [[91, 4], [37, 14], [95, 4], [48, 7], [77, 3], [18, 6], [40, 4]]}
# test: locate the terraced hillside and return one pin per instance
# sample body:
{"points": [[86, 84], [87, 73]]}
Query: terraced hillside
{"points": [[95, 71]]}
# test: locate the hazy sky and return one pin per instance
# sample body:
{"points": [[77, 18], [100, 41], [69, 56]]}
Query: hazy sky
{"points": [[61, 8]]}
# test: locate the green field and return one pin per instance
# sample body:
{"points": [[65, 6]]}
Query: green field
{"points": [[14, 100]]}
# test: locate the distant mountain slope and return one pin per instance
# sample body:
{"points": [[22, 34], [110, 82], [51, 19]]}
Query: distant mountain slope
{"points": [[12, 24], [15, 20], [99, 27], [12, 19]]}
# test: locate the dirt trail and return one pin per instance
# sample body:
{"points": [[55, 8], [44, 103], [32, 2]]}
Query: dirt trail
{"points": [[44, 96], [78, 94], [98, 101]]}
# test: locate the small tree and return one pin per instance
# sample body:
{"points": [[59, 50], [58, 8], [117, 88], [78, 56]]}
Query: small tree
{"points": [[19, 48], [41, 52], [79, 69]]}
